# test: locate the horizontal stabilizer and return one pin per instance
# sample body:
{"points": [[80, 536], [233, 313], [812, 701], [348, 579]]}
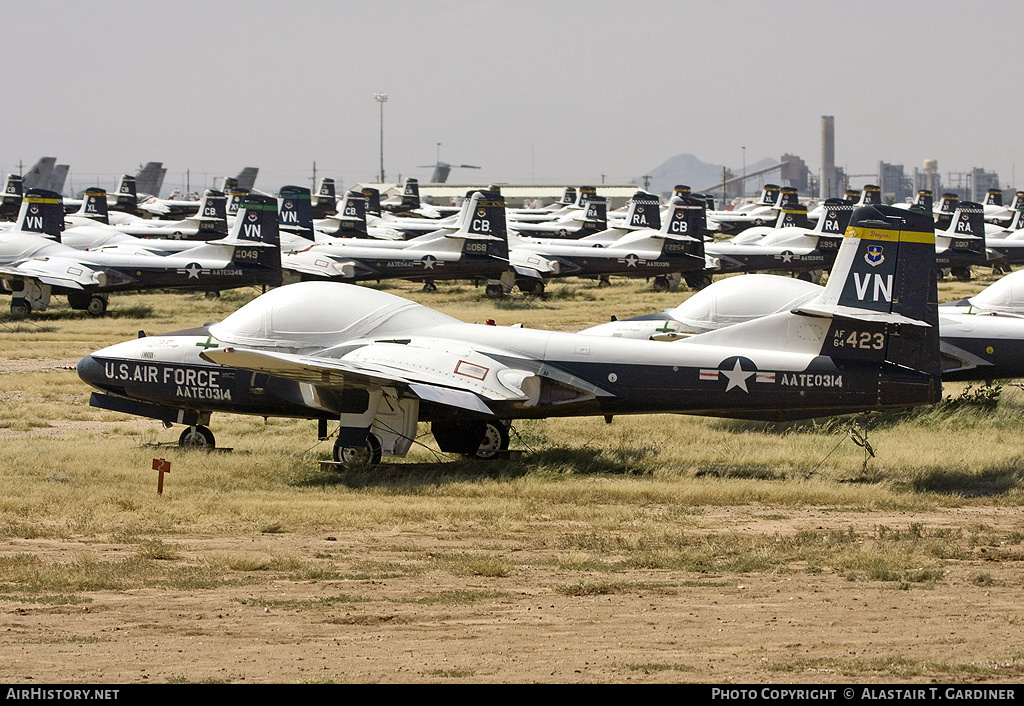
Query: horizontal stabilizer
{"points": [[837, 311]]}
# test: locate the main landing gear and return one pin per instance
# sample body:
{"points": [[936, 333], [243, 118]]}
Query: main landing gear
{"points": [[197, 437], [368, 453], [481, 440]]}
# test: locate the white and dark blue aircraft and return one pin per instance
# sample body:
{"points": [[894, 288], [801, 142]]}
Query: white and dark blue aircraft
{"points": [[90, 229], [475, 248], [669, 254], [790, 246], [375, 364], [981, 337], [34, 264]]}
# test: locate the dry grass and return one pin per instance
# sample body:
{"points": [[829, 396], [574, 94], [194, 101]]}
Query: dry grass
{"points": [[71, 470]]}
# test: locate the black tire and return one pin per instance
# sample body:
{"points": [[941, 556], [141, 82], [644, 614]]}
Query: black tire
{"points": [[369, 454], [962, 274], [213, 295], [532, 286], [97, 306], [697, 282], [495, 291], [494, 442], [79, 300], [197, 437], [429, 287], [661, 284], [20, 308], [481, 440]]}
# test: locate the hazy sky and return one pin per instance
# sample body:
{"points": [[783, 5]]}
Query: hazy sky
{"points": [[541, 92]]}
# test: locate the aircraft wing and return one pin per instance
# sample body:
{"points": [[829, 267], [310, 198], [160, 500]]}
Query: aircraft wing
{"points": [[336, 374], [59, 272], [313, 370]]}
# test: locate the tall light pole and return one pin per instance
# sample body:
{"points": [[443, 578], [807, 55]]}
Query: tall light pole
{"points": [[381, 98], [743, 184]]}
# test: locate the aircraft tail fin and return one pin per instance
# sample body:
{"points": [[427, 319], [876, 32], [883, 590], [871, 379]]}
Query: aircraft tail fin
{"points": [[583, 194], [1017, 222], [787, 198], [595, 216], [994, 197], [326, 199], [351, 215], [256, 237], [126, 198], [58, 177], [644, 211], [42, 211], [213, 213], [10, 202], [150, 178], [38, 177], [924, 199], [296, 211], [372, 197], [769, 194], [411, 195], [234, 199], [1018, 201], [793, 216], [683, 230], [968, 219], [568, 196], [870, 196], [835, 218], [246, 178], [884, 275], [484, 227], [94, 205]]}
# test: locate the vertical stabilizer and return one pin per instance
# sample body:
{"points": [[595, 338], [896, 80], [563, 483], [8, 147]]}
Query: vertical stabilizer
{"points": [[42, 211]]}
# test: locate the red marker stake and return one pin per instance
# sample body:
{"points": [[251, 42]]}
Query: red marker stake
{"points": [[162, 466]]}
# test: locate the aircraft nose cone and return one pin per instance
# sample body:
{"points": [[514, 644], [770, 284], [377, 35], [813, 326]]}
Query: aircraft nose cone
{"points": [[90, 370]]}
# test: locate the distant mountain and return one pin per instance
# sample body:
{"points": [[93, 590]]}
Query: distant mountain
{"points": [[687, 169]]}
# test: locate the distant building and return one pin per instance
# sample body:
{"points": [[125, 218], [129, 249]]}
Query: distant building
{"points": [[794, 172], [981, 182], [895, 186]]}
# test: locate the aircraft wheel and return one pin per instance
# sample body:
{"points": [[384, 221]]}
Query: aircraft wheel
{"points": [[197, 437], [368, 454], [494, 291], [97, 306], [494, 442], [532, 287], [661, 284], [213, 295], [603, 281], [429, 287], [20, 308], [963, 274], [698, 282]]}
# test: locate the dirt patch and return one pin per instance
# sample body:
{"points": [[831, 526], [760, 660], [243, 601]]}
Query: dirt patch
{"points": [[386, 613]]}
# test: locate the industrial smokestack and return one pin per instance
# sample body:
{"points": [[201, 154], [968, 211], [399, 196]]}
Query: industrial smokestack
{"points": [[827, 186]]}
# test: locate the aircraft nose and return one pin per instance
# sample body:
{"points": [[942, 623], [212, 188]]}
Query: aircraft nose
{"points": [[90, 370]]}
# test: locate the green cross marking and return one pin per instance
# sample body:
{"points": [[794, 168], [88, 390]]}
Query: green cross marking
{"points": [[208, 344], [666, 328]]}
